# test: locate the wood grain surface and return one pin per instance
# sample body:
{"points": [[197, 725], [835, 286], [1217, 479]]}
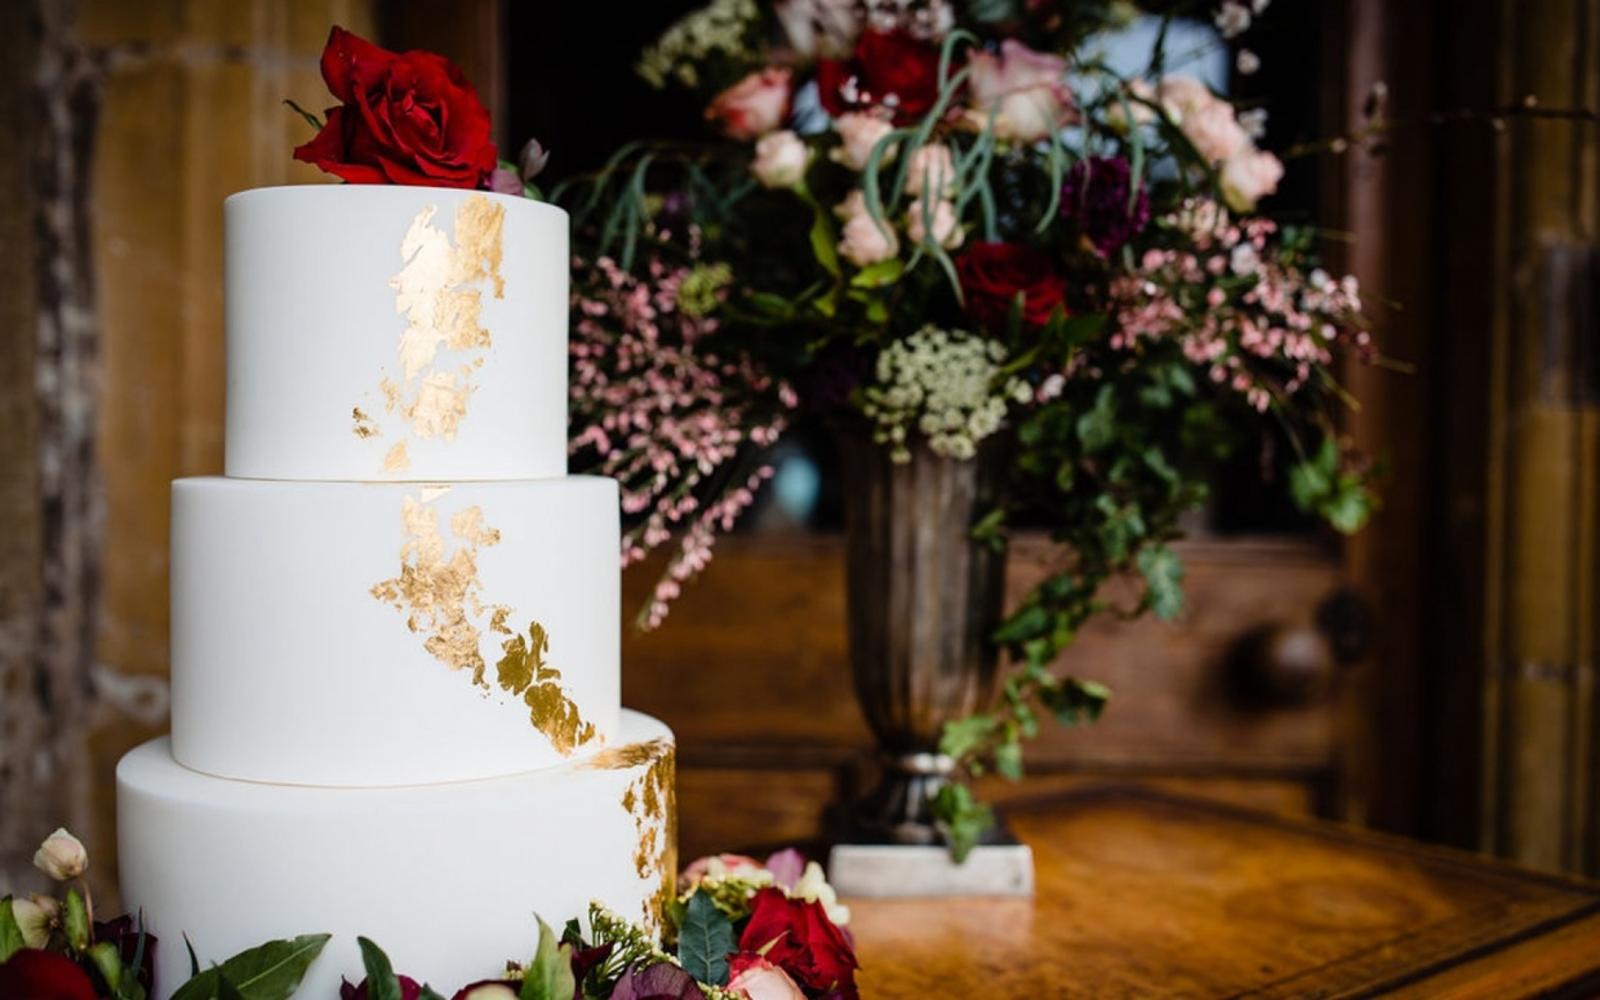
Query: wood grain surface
{"points": [[1146, 894]]}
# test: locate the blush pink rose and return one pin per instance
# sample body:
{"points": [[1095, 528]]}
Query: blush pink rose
{"points": [[1248, 176], [759, 979], [1215, 131], [754, 106], [1026, 91], [718, 866], [859, 132]]}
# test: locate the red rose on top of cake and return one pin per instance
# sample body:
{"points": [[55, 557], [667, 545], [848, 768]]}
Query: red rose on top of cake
{"points": [[403, 118]]}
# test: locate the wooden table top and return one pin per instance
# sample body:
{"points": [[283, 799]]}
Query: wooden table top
{"points": [[1143, 894]]}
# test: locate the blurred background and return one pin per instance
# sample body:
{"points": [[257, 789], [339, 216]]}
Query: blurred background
{"points": [[1434, 676]]}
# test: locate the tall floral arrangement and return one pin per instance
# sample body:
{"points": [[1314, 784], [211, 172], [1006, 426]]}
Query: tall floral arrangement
{"points": [[950, 219]]}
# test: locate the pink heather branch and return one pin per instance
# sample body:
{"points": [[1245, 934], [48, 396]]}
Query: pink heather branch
{"points": [[665, 416]]}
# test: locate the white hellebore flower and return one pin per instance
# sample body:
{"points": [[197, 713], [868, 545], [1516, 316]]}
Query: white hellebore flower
{"points": [[859, 133], [865, 242], [947, 231], [36, 918], [933, 167], [813, 887], [781, 159], [61, 856]]}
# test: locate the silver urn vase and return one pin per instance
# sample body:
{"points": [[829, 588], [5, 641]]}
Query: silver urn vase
{"points": [[923, 600]]}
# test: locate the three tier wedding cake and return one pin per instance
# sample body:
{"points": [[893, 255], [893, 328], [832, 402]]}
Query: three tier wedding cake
{"points": [[395, 680]]}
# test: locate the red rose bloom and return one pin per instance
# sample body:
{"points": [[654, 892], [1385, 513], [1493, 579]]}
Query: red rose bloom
{"points": [[797, 937], [888, 69], [993, 273], [408, 118], [44, 975]]}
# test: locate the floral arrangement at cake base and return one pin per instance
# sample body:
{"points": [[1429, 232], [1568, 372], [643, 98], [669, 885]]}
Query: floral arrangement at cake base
{"points": [[738, 929]]}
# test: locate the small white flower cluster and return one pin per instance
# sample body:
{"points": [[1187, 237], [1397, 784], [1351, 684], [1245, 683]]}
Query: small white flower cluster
{"points": [[945, 385], [719, 27]]}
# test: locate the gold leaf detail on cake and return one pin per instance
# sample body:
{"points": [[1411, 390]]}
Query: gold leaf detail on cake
{"points": [[396, 460], [523, 671], [364, 427], [650, 799], [437, 291], [439, 591], [432, 492]]}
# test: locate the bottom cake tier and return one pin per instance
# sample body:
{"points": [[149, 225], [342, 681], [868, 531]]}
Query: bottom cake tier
{"points": [[446, 878]]}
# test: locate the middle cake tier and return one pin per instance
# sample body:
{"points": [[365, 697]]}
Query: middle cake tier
{"points": [[328, 633]]}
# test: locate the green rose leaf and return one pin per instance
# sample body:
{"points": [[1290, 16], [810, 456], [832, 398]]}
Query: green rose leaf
{"points": [[382, 983], [549, 975], [271, 971], [10, 933], [705, 941]]}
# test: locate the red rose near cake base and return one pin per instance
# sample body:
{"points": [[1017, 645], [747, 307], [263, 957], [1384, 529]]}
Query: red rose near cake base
{"points": [[403, 118]]}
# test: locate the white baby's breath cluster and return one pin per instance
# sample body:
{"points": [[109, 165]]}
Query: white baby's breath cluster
{"points": [[719, 27], [945, 384]]}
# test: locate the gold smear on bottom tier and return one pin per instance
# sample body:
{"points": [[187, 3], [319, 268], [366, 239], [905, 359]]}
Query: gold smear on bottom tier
{"points": [[397, 460], [651, 800], [441, 595]]}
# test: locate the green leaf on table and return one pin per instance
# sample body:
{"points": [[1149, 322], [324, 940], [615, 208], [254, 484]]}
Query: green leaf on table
{"points": [[1163, 580], [75, 920], [10, 932], [962, 819], [270, 971], [705, 941], [382, 984], [549, 975]]}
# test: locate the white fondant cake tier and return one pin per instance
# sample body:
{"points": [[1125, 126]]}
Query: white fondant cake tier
{"points": [[381, 332], [446, 878], [389, 633]]}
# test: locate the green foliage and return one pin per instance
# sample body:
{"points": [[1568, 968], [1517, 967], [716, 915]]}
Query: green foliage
{"points": [[75, 920], [10, 933], [271, 971], [1321, 486], [382, 983], [705, 940], [962, 819], [549, 975]]}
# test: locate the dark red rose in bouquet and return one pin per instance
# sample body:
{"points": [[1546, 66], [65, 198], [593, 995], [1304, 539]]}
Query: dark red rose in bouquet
{"points": [[889, 70], [44, 975], [797, 937], [403, 118], [993, 273]]}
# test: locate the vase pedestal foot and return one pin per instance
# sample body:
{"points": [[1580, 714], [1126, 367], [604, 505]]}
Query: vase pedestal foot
{"points": [[882, 871]]}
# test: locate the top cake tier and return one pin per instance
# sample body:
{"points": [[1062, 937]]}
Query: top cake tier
{"points": [[395, 333]]}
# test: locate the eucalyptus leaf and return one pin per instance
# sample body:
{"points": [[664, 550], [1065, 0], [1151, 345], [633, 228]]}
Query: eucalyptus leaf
{"points": [[271, 971], [705, 941]]}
